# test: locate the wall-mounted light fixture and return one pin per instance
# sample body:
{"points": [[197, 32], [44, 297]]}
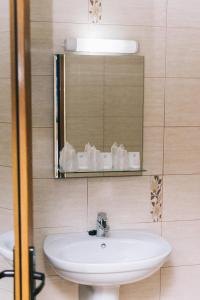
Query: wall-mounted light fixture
{"points": [[101, 45]]}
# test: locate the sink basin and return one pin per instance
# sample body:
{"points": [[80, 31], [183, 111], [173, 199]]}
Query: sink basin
{"points": [[7, 245], [106, 263]]}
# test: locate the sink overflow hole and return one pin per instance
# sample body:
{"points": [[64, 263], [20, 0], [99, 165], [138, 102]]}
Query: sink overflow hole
{"points": [[103, 245]]}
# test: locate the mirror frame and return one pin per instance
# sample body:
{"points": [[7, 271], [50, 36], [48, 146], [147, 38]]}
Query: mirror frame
{"points": [[60, 126]]}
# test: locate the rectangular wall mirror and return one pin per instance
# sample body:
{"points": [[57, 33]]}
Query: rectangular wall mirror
{"points": [[98, 115]]}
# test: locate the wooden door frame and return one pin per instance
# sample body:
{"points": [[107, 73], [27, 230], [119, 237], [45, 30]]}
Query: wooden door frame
{"points": [[22, 143]]}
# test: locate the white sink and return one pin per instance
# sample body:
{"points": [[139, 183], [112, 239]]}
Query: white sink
{"points": [[104, 264], [7, 245]]}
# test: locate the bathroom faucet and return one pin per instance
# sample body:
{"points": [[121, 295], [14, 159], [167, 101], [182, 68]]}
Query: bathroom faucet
{"points": [[102, 225]]}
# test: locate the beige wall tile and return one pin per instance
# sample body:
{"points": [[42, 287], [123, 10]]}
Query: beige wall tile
{"points": [[6, 220], [126, 201], [6, 200], [181, 197], [47, 39], [134, 12], [148, 289], [59, 11], [60, 203], [182, 103], [43, 165], [5, 145], [182, 147], [4, 15], [4, 294], [62, 289], [153, 150], [151, 39], [7, 283], [154, 101], [5, 54], [5, 100], [183, 13], [184, 238], [180, 283], [42, 101], [183, 57]]}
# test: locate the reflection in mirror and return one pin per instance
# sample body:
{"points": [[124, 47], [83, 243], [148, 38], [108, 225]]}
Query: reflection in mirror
{"points": [[6, 204], [98, 115]]}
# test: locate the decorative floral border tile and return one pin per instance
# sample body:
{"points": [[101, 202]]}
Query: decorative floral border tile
{"points": [[95, 11], [156, 198]]}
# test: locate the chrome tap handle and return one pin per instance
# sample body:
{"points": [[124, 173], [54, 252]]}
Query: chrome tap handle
{"points": [[102, 219], [102, 226]]}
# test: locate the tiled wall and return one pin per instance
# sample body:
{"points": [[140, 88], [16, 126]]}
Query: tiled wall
{"points": [[6, 206], [169, 36]]}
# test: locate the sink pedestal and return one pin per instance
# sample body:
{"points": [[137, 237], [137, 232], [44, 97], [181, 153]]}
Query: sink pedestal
{"points": [[98, 292]]}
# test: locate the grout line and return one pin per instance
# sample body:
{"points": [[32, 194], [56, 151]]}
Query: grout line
{"points": [[164, 124], [8, 209], [6, 166], [6, 123], [180, 266], [122, 229], [115, 24], [175, 221], [5, 31]]}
